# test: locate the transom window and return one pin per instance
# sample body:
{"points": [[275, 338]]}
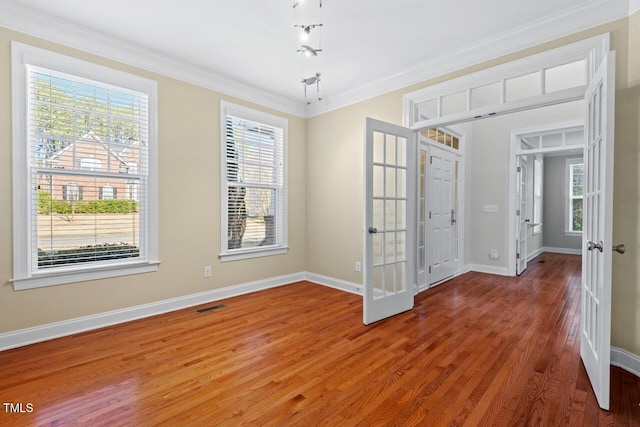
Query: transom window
{"points": [[542, 79], [442, 136], [80, 126], [254, 183]]}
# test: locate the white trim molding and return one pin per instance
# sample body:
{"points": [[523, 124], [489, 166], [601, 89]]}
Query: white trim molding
{"points": [[25, 20], [568, 251], [81, 324], [534, 254], [625, 360], [49, 331], [343, 285], [489, 269]]}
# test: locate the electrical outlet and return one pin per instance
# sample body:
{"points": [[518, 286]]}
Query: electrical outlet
{"points": [[207, 271], [490, 208], [358, 266]]}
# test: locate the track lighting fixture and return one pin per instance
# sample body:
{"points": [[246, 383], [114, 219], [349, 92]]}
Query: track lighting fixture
{"points": [[308, 50], [306, 30], [308, 10], [310, 81]]}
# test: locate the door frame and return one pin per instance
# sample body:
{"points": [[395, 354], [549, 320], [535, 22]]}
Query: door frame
{"points": [[594, 51], [426, 144], [521, 212], [514, 152]]}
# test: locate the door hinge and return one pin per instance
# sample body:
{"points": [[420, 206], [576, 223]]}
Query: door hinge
{"points": [[517, 256], [518, 212], [429, 214], [431, 160], [518, 169], [429, 269]]}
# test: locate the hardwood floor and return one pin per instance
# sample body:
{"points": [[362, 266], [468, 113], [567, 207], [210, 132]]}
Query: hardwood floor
{"points": [[477, 350]]}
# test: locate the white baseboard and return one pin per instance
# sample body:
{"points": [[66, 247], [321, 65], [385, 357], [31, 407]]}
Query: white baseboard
{"points": [[568, 251], [480, 268], [81, 324], [625, 360], [534, 254], [331, 282]]}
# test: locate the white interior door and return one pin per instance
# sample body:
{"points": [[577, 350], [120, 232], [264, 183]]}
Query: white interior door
{"points": [[595, 337], [390, 208], [442, 215], [522, 221]]}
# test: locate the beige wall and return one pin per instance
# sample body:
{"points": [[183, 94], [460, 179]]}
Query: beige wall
{"points": [[189, 177], [335, 178], [487, 180], [325, 195]]}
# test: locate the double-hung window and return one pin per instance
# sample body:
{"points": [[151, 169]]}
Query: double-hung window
{"points": [[574, 187], [77, 127], [254, 196]]}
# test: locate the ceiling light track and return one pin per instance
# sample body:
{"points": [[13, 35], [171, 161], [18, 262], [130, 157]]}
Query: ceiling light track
{"points": [[310, 36]]}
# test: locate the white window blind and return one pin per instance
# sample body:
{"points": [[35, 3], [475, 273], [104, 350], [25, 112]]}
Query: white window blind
{"points": [[254, 185], [85, 170], [83, 136]]}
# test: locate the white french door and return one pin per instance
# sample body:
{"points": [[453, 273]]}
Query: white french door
{"points": [[390, 208], [442, 216], [423, 272], [595, 325], [522, 222]]}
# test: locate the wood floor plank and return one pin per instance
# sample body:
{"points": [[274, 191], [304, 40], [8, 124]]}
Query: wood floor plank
{"points": [[476, 350]]}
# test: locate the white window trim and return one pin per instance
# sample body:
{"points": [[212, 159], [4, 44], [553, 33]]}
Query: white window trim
{"points": [[537, 226], [23, 278], [228, 108], [592, 50], [567, 189]]}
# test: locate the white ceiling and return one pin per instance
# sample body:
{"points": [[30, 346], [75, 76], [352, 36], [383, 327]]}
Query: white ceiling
{"points": [[369, 46]]}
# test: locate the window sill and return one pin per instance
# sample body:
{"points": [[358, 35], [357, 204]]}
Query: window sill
{"points": [[253, 253], [43, 279], [573, 233]]}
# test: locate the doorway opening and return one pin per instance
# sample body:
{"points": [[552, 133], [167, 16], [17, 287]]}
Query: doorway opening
{"points": [[546, 199], [440, 206]]}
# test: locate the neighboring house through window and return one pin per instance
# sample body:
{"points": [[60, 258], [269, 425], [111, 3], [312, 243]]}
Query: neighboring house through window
{"points": [[574, 187], [108, 192], [71, 192], [77, 127], [253, 153], [90, 164]]}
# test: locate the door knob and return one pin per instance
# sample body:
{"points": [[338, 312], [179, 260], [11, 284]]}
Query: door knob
{"points": [[619, 248], [591, 246], [373, 230]]}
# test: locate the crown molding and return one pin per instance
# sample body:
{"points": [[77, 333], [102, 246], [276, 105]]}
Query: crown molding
{"points": [[533, 34], [24, 20]]}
